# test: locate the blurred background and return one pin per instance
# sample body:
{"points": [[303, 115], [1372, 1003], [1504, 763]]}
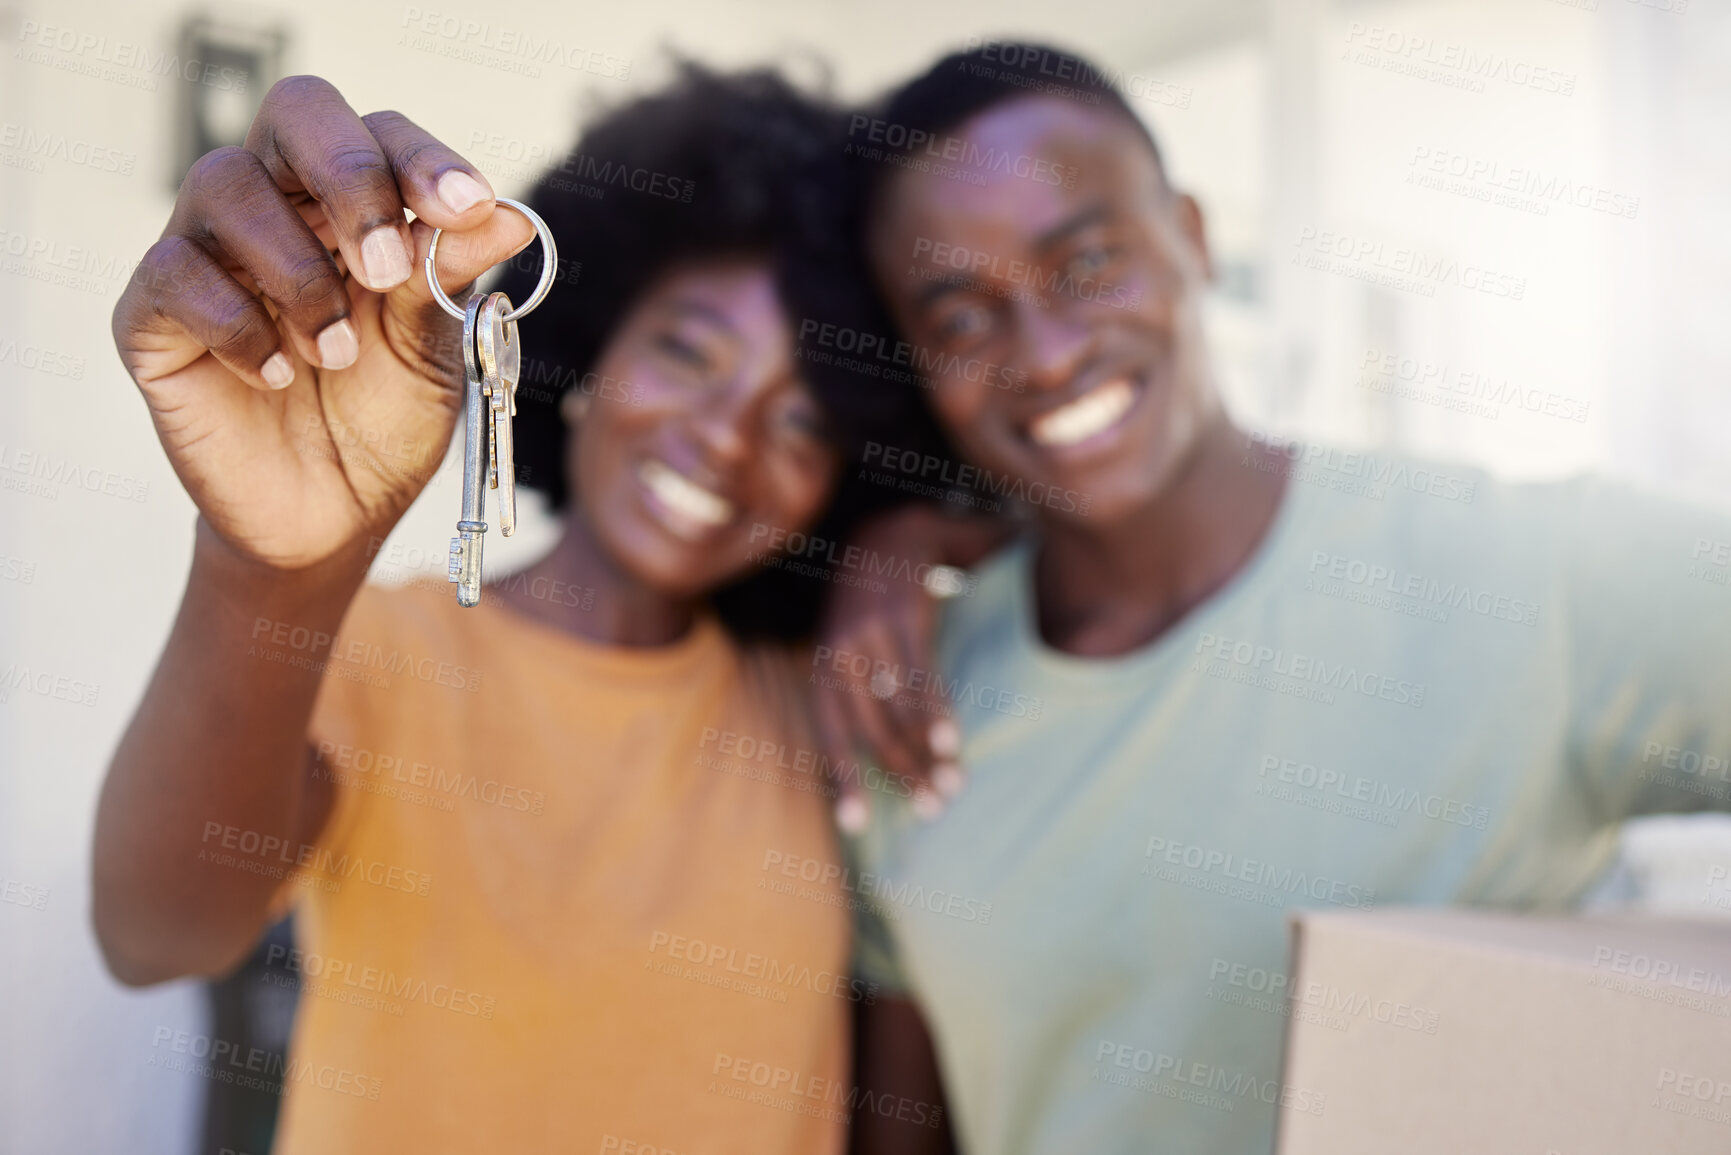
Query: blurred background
{"points": [[1572, 152]]}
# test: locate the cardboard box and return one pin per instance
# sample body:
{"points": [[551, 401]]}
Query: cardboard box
{"points": [[1443, 1031]]}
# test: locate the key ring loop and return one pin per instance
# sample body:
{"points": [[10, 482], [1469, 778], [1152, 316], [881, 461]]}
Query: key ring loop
{"points": [[549, 266]]}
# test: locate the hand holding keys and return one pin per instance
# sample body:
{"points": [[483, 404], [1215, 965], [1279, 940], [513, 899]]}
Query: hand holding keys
{"points": [[492, 362]]}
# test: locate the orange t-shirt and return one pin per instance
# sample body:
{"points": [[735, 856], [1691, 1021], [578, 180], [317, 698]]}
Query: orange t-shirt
{"points": [[571, 897]]}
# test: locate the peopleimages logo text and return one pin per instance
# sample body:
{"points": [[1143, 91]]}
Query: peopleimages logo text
{"points": [[978, 263], [927, 364], [870, 130], [1372, 475], [1308, 668], [930, 467], [1257, 872]]}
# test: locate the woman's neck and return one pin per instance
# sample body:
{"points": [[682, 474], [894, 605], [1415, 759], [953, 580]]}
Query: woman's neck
{"points": [[578, 588]]}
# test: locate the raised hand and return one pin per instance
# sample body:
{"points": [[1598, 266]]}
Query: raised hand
{"points": [[299, 374]]}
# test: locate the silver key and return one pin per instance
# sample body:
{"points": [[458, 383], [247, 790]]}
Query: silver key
{"points": [[492, 362], [465, 561], [501, 360]]}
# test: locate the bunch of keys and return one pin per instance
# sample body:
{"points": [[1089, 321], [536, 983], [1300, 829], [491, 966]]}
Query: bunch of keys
{"points": [[492, 363]]}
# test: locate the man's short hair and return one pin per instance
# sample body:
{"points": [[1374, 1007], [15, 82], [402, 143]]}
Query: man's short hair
{"points": [[964, 84]]}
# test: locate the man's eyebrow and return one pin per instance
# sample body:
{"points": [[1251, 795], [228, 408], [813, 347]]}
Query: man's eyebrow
{"points": [[1086, 217]]}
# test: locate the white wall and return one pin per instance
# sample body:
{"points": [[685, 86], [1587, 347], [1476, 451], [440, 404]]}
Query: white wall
{"points": [[1618, 313], [1623, 314]]}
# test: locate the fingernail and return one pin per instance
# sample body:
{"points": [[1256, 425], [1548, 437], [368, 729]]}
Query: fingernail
{"points": [[338, 345], [945, 738], [852, 814], [278, 372], [927, 805], [459, 191], [385, 258], [948, 779]]}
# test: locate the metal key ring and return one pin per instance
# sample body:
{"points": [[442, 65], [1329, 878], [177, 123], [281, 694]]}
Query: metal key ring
{"points": [[549, 266]]}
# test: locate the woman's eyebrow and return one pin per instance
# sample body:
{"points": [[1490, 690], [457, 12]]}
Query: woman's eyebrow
{"points": [[937, 290], [691, 307]]}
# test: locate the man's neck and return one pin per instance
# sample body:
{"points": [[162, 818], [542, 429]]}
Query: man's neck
{"points": [[1107, 590]]}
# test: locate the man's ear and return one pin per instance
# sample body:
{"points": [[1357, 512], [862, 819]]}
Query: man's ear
{"points": [[1195, 230]]}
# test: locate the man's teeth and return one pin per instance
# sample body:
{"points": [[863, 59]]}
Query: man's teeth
{"points": [[684, 496], [1093, 412]]}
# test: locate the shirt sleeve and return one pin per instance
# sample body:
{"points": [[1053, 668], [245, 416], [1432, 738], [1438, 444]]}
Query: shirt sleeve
{"points": [[1649, 638]]}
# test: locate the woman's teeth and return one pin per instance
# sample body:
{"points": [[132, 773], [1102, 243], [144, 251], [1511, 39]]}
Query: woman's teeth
{"points": [[1094, 412], [684, 496]]}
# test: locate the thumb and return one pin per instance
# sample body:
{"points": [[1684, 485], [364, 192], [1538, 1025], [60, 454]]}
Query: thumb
{"points": [[463, 256]]}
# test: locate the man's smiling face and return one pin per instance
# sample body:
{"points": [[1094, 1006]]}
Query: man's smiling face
{"points": [[1085, 274]]}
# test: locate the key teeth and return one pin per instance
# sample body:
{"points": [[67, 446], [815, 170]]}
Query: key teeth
{"points": [[466, 561]]}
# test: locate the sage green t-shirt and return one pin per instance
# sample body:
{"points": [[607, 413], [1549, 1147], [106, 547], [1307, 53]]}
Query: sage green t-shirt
{"points": [[1417, 691]]}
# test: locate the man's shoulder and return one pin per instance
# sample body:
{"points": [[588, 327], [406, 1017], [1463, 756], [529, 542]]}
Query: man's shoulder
{"points": [[1373, 488], [1375, 509], [1452, 521]]}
